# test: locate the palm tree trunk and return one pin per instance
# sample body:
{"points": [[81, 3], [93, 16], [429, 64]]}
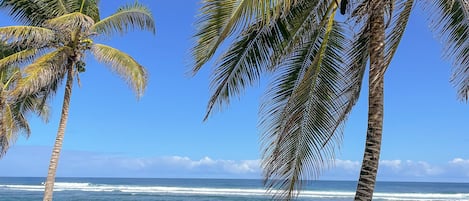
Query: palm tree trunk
{"points": [[369, 169], [49, 186]]}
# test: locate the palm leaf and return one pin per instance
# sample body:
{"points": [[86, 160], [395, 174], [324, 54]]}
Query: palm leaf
{"points": [[44, 72], [56, 7], [7, 135], [294, 55], [124, 65], [129, 16], [12, 121], [252, 53], [18, 58], [398, 24], [71, 21], [27, 36], [243, 63], [220, 18], [35, 103], [450, 19], [302, 21], [32, 103], [87, 7], [356, 58], [27, 11], [301, 114]]}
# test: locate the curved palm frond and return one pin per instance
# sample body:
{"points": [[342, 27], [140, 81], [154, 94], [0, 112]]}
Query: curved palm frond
{"points": [[253, 52], [243, 63], [71, 21], [292, 64], [87, 7], [129, 16], [90, 8], [124, 65], [356, 61], [27, 11], [55, 7], [450, 19], [7, 127], [299, 115], [220, 18], [398, 24], [18, 58], [13, 120], [27, 36], [43, 72], [302, 21], [33, 103]]}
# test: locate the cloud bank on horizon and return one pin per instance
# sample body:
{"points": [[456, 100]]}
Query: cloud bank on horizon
{"points": [[21, 162]]}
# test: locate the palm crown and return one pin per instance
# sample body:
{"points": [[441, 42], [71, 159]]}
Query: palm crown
{"points": [[64, 40], [318, 64], [57, 40]]}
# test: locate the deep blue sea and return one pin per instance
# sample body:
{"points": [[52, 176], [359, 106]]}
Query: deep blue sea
{"points": [[126, 189]]}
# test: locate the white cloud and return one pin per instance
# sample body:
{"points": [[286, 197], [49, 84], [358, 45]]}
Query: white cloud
{"points": [[460, 166], [405, 170], [395, 165], [20, 162], [460, 161], [347, 165], [230, 166]]}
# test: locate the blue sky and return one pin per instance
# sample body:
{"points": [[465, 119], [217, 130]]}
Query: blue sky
{"points": [[111, 134]]}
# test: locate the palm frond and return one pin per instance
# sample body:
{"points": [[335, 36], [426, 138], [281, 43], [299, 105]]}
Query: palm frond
{"points": [[55, 7], [220, 18], [292, 63], [303, 22], [43, 72], [27, 36], [356, 60], [300, 114], [124, 65], [398, 24], [8, 126], [90, 8], [18, 58], [252, 53], [71, 21], [31, 104], [27, 11], [450, 20], [243, 63], [7, 134], [127, 17], [21, 124]]}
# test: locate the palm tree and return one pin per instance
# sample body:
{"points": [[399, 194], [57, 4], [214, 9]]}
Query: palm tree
{"points": [[318, 67], [369, 169], [13, 111], [57, 40]]}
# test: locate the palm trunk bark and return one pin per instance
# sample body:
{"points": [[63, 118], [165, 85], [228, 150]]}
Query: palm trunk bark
{"points": [[49, 186], [369, 169]]}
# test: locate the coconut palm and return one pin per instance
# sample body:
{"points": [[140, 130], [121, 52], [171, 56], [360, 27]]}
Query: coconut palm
{"points": [[14, 111], [318, 67], [57, 40]]}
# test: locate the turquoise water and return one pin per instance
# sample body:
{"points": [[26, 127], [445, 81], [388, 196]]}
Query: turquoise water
{"points": [[100, 189]]}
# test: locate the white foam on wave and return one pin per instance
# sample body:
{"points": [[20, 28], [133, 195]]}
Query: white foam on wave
{"points": [[23, 187], [71, 185], [89, 187], [422, 196]]}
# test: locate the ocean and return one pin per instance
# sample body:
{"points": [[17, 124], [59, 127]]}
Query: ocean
{"points": [[139, 189]]}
